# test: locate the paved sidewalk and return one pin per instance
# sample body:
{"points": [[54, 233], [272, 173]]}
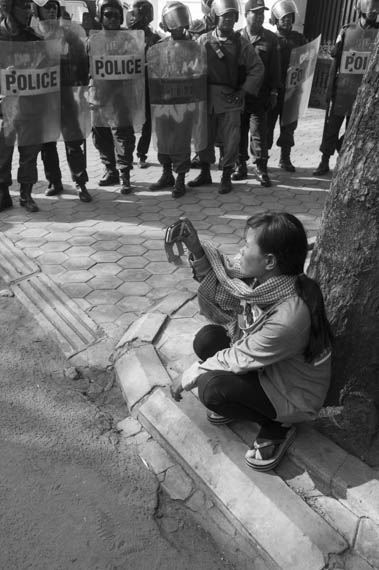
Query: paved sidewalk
{"points": [[108, 256], [97, 276]]}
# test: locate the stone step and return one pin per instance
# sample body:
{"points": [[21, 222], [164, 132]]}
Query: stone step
{"points": [[274, 519]]}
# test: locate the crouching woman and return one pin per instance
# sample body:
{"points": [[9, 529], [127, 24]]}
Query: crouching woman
{"points": [[267, 359]]}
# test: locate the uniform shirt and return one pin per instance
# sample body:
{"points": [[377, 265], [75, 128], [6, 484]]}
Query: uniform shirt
{"points": [[266, 45], [238, 56], [21, 35]]}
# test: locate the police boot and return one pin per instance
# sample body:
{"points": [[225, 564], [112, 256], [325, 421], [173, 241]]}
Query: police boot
{"points": [[54, 188], [226, 185], [26, 200], [167, 179], [260, 171], [110, 178], [285, 160], [5, 198], [241, 172], [84, 195], [204, 177], [323, 167], [126, 187], [180, 187]]}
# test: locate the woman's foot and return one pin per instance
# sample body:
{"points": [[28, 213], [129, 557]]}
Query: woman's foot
{"points": [[267, 452]]}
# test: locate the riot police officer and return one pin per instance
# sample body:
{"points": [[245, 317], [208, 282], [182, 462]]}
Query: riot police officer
{"points": [[14, 27], [254, 116], [234, 69], [176, 19], [74, 72], [115, 144], [283, 14], [140, 16], [353, 38]]}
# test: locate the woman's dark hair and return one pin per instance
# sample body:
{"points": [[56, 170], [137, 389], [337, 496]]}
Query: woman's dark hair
{"points": [[283, 235]]}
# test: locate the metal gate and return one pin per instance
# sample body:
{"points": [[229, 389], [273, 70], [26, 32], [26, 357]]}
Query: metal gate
{"points": [[326, 17]]}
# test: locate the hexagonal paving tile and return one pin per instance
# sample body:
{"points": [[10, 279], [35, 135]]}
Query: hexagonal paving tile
{"points": [[79, 263], [134, 275], [133, 262], [105, 269], [75, 290], [104, 297], [80, 251], [81, 241], [156, 255], [134, 303], [54, 258], [105, 313], [107, 245], [130, 239], [161, 267], [105, 282], [78, 276], [134, 288], [106, 256], [55, 246], [129, 250]]}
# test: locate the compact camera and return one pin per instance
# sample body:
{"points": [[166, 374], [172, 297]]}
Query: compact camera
{"points": [[174, 236]]}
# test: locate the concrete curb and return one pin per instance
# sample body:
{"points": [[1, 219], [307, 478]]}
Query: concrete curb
{"points": [[278, 522]]}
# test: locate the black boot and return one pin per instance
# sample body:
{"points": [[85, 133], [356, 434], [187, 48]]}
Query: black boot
{"points": [[54, 188], [126, 187], [167, 179], [323, 167], [84, 195], [241, 172], [180, 187], [110, 178], [260, 171], [204, 177], [5, 198], [285, 159], [26, 200], [226, 185]]}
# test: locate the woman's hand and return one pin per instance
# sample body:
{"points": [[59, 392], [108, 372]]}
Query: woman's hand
{"points": [[176, 388], [192, 241]]}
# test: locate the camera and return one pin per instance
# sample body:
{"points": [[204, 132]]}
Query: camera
{"points": [[177, 231]]}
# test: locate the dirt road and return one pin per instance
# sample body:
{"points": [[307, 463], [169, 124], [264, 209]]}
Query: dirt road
{"points": [[73, 495]]}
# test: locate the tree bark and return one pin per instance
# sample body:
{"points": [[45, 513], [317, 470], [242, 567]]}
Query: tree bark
{"points": [[345, 260]]}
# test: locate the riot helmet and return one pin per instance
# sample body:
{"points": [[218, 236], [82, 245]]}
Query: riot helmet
{"points": [[175, 15], [283, 8], [38, 4], [222, 7], [140, 14], [7, 9], [102, 4], [254, 5], [367, 7]]}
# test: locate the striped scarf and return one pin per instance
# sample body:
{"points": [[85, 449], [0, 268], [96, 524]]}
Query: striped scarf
{"points": [[224, 287]]}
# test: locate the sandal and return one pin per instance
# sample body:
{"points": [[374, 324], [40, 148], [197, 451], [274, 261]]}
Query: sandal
{"points": [[217, 419], [280, 448]]}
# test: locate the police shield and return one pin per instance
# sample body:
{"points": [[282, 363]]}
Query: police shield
{"points": [[117, 88], [29, 87], [299, 81], [71, 44], [178, 90], [357, 49]]}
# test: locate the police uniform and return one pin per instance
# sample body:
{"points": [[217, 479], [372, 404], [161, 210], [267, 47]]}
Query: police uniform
{"points": [[287, 42], [74, 72], [27, 174], [350, 35], [254, 117], [232, 65]]}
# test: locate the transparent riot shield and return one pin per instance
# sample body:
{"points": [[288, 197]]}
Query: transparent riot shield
{"points": [[117, 68], [30, 92], [177, 73], [71, 42], [357, 49], [299, 81]]}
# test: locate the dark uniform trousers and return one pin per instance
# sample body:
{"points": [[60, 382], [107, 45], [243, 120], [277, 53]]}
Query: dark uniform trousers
{"points": [[331, 140], [116, 146], [286, 136], [27, 168], [73, 140], [255, 121], [224, 126]]}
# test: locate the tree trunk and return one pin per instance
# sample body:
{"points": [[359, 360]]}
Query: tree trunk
{"points": [[345, 262]]}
